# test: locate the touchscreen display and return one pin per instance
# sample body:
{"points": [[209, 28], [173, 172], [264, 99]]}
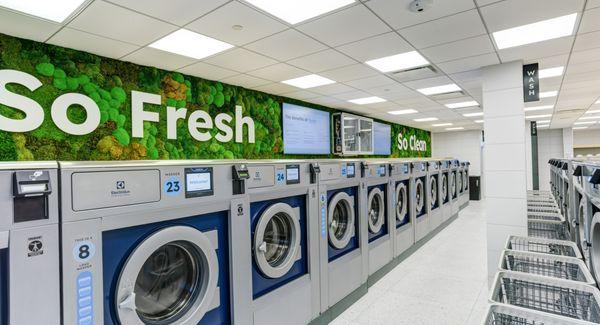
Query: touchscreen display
{"points": [[381, 170], [350, 171], [292, 174], [198, 182]]}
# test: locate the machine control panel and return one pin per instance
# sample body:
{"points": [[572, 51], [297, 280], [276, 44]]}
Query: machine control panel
{"points": [[292, 174], [350, 170], [199, 182], [30, 191]]}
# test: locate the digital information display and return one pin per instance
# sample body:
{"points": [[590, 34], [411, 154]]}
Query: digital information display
{"points": [[350, 170], [305, 130], [198, 182], [381, 171], [292, 174], [383, 138]]}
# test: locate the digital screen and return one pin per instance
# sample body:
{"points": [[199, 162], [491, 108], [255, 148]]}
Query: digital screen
{"points": [[383, 138], [292, 174], [381, 171], [198, 182], [305, 130], [406, 169], [350, 172]]}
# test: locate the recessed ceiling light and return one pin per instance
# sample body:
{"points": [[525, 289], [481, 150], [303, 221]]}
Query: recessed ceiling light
{"points": [[190, 44], [543, 126], [596, 117], [455, 129], [473, 114], [439, 89], [584, 123], [538, 116], [367, 100], [593, 111], [403, 112], [547, 94], [597, 102], [426, 119], [442, 124], [536, 32], [580, 127], [295, 11], [478, 121], [398, 62], [538, 108], [543, 121], [551, 72], [57, 11], [462, 104], [309, 81]]}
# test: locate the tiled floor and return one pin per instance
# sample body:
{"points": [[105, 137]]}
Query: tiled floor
{"points": [[444, 282]]}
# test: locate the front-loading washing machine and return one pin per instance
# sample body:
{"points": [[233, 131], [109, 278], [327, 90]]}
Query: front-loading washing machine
{"points": [[401, 206], [445, 198], [342, 211], [29, 243], [420, 198], [453, 182], [150, 242], [459, 184], [464, 193], [434, 181], [579, 220], [379, 218], [592, 186], [284, 243]]}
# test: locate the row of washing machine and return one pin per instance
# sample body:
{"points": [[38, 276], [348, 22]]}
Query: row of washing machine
{"points": [[209, 242]]}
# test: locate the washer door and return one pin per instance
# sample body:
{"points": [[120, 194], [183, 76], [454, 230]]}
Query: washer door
{"points": [[459, 180], [376, 216], [277, 240], [465, 181], [401, 201], [341, 220], [170, 278], [444, 187], [419, 195], [434, 188], [452, 185], [595, 246], [581, 237]]}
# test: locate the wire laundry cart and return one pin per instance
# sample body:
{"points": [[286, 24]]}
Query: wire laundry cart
{"points": [[543, 245], [542, 209], [555, 296], [555, 266], [499, 314], [548, 229], [552, 216]]}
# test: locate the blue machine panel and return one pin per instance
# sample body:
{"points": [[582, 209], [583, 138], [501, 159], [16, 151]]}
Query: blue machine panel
{"points": [[118, 244], [4, 286], [425, 197], [406, 220], [261, 284], [384, 229], [334, 253]]}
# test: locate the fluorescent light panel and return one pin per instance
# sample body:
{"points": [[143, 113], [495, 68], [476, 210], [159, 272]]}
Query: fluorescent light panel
{"points": [[190, 44], [310, 81], [398, 62], [57, 10], [547, 94], [538, 108], [596, 117], [426, 119], [367, 100], [593, 111], [538, 116], [462, 104], [441, 124], [551, 72], [443, 89], [478, 121], [295, 11], [543, 121], [584, 123], [580, 127], [403, 112], [536, 32], [455, 129], [473, 114]]}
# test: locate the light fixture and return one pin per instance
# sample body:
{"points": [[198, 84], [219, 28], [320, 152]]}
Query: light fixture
{"points": [[597, 102], [398, 62], [593, 111], [595, 117], [473, 114], [426, 119], [551, 72], [547, 94], [190, 44], [478, 121], [584, 123], [309, 81], [57, 11], [403, 112], [538, 108], [538, 116], [443, 89], [295, 11], [462, 104], [367, 100], [536, 32], [543, 126], [542, 121], [455, 129], [441, 124], [580, 128]]}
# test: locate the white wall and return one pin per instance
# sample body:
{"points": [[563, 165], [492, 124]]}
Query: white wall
{"points": [[550, 145], [586, 138], [465, 145]]}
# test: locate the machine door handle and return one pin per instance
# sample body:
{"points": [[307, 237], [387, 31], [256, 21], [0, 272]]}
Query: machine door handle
{"points": [[263, 247], [128, 302]]}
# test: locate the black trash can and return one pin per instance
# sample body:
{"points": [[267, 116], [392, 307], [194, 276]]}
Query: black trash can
{"points": [[475, 188]]}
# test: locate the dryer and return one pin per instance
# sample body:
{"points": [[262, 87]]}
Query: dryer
{"points": [[434, 193], [149, 242], [453, 185], [29, 243], [284, 243], [401, 205], [445, 198], [420, 198], [343, 249], [379, 218], [464, 193]]}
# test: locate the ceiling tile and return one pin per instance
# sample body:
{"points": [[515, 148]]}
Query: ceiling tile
{"points": [[276, 88], [590, 21], [347, 73], [219, 24], [286, 45], [278, 72], [332, 89], [398, 15], [550, 61], [157, 58], [14, 24], [371, 82], [585, 56], [207, 71], [320, 61], [473, 75], [429, 82], [302, 95], [394, 88], [246, 81], [351, 95], [592, 4], [587, 41], [537, 50], [448, 29], [376, 47], [82, 41], [239, 59], [345, 26], [456, 50], [178, 12], [115, 22], [470, 63]]}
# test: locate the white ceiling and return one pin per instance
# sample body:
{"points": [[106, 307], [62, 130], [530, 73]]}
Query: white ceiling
{"points": [[453, 35]]}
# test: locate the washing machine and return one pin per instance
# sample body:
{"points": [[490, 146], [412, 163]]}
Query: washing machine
{"points": [[463, 197], [150, 242], [420, 198], [434, 184], [592, 186], [445, 198], [453, 186], [29, 243], [284, 243], [459, 184], [401, 205], [342, 211], [579, 223], [565, 179], [379, 233]]}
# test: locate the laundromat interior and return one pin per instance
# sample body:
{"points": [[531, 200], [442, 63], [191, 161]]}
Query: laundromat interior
{"points": [[299, 162]]}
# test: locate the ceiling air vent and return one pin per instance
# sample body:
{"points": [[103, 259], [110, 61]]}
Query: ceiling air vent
{"points": [[414, 74]]}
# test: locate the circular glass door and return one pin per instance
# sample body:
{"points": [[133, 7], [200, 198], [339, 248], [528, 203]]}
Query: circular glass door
{"points": [[595, 245], [580, 232], [419, 195], [401, 202], [452, 185], [170, 277], [376, 215], [434, 188], [444, 187], [465, 181], [459, 180], [277, 240], [341, 220]]}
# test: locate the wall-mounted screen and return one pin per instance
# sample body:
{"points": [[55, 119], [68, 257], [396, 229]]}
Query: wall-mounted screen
{"points": [[305, 130], [383, 138]]}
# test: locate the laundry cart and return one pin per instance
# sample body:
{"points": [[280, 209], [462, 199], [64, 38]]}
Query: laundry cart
{"points": [[552, 216], [565, 298], [499, 314], [548, 229], [543, 245]]}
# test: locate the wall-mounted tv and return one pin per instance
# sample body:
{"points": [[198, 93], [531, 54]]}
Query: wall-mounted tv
{"points": [[305, 130]]}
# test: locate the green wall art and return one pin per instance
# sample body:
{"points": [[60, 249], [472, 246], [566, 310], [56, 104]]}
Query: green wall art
{"points": [[63, 104]]}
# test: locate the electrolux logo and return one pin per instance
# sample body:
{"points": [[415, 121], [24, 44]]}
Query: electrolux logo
{"points": [[411, 143], [120, 189]]}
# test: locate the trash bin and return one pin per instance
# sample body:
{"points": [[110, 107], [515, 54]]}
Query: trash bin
{"points": [[475, 188]]}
